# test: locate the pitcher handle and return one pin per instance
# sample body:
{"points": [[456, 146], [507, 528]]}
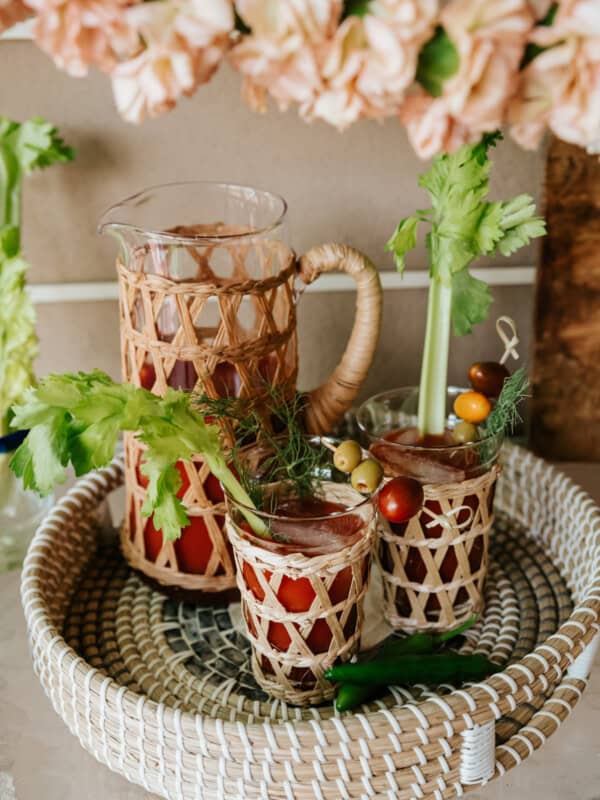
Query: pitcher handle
{"points": [[328, 403]]}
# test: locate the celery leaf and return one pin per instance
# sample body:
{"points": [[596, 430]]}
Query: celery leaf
{"points": [[471, 300], [403, 239]]}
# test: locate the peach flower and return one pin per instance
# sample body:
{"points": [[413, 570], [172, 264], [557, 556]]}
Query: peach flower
{"points": [[77, 33], [184, 44], [560, 88], [281, 55], [371, 62], [431, 127], [11, 12], [490, 39]]}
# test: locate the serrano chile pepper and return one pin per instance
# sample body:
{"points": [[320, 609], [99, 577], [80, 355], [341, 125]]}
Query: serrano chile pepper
{"points": [[351, 695], [411, 669]]}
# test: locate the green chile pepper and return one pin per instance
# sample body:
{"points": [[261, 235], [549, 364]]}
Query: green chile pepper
{"points": [[350, 695], [411, 669]]}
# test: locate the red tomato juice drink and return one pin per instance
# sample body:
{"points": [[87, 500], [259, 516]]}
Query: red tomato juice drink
{"points": [[434, 564], [303, 590]]}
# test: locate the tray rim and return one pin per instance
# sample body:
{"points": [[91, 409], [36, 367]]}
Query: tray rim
{"points": [[547, 666]]}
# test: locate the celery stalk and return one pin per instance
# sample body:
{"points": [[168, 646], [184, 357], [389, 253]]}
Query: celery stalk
{"points": [[221, 471], [434, 369], [463, 225]]}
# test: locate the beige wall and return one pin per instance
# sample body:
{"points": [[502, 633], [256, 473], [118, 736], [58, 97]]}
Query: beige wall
{"points": [[352, 187]]}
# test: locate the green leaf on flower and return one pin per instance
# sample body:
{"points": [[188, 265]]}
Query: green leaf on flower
{"points": [[355, 8], [471, 300], [438, 61], [533, 50]]}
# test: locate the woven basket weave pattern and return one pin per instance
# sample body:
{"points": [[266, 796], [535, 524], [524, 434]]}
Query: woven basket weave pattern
{"points": [[296, 674], [170, 325], [413, 750], [229, 336], [434, 570]]}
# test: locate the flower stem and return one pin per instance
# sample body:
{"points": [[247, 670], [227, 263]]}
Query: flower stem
{"points": [[434, 369]]}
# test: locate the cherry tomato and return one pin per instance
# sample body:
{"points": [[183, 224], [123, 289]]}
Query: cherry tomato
{"points": [[488, 377], [147, 375], [400, 499], [472, 407]]}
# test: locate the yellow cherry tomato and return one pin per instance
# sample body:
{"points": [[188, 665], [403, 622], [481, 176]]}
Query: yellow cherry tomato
{"points": [[473, 407]]}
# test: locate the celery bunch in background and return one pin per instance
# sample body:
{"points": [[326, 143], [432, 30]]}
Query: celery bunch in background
{"points": [[24, 147], [463, 226]]}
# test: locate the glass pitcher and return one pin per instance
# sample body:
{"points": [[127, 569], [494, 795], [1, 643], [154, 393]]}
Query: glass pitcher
{"points": [[208, 285]]}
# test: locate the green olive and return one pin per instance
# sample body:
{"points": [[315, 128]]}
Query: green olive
{"points": [[465, 432], [347, 456], [367, 476]]}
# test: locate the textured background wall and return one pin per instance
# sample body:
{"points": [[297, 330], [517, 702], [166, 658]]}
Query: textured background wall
{"points": [[352, 187]]}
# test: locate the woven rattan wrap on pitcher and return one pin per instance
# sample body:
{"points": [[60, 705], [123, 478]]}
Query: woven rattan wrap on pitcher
{"points": [[250, 339], [451, 536], [296, 674]]}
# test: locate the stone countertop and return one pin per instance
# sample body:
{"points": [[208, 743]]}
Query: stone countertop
{"points": [[41, 760]]}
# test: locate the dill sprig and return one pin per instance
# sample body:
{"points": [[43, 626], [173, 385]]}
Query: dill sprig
{"points": [[275, 426], [505, 416]]}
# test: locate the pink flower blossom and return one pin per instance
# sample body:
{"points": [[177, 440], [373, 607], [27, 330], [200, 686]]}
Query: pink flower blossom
{"points": [[490, 40], [184, 44], [11, 12], [431, 127], [560, 88], [77, 33], [282, 54], [371, 62]]}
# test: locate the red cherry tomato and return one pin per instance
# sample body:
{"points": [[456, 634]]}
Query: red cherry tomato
{"points": [[400, 499]]}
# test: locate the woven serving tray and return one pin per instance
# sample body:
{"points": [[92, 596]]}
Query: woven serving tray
{"points": [[162, 691]]}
